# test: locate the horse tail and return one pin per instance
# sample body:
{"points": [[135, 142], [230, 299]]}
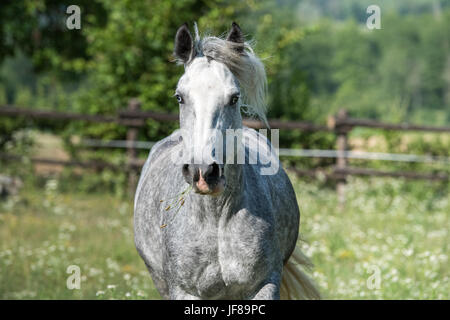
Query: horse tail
{"points": [[295, 283]]}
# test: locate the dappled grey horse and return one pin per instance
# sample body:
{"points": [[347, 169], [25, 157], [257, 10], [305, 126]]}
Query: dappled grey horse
{"points": [[207, 225]]}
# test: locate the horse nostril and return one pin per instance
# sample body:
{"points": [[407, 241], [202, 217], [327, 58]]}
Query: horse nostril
{"points": [[188, 175], [213, 172], [185, 169]]}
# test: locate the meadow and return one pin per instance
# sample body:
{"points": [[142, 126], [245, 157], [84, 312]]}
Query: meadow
{"points": [[391, 241]]}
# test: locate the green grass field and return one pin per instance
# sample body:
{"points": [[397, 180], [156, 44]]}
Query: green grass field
{"points": [[392, 230]]}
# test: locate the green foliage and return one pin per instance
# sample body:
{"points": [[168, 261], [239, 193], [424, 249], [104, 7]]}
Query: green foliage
{"points": [[398, 73], [105, 181], [38, 28], [131, 57]]}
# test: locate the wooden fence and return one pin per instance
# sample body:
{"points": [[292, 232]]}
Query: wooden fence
{"points": [[134, 118]]}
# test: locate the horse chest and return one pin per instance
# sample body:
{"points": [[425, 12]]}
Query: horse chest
{"points": [[243, 254], [218, 261]]}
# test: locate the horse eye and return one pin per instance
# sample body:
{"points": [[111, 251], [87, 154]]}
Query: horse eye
{"points": [[234, 99], [179, 98]]}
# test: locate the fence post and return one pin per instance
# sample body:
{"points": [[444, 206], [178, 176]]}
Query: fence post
{"points": [[132, 136], [341, 129]]}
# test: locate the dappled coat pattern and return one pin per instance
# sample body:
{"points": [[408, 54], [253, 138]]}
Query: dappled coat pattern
{"points": [[218, 230]]}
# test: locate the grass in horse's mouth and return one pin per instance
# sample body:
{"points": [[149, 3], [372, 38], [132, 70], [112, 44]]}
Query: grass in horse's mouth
{"points": [[177, 202]]}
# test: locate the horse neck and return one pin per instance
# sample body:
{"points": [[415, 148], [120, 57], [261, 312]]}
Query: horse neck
{"points": [[226, 203]]}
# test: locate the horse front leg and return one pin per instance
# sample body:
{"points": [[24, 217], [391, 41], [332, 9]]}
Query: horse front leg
{"points": [[179, 294], [270, 289]]}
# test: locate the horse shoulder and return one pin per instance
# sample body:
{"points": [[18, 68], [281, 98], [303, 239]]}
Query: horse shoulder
{"points": [[147, 207], [272, 195], [160, 150]]}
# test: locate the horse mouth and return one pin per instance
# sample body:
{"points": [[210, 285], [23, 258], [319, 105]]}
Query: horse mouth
{"points": [[211, 187], [205, 179]]}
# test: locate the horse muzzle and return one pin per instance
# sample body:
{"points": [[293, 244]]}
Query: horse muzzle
{"points": [[205, 179]]}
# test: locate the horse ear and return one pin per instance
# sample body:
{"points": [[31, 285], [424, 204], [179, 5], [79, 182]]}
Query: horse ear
{"points": [[183, 44], [235, 35]]}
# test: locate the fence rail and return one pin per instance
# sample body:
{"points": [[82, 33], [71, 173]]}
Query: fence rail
{"points": [[284, 152], [133, 118], [338, 174], [136, 118], [99, 165], [334, 122]]}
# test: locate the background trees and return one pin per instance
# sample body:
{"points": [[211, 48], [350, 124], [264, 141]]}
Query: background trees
{"points": [[319, 57]]}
